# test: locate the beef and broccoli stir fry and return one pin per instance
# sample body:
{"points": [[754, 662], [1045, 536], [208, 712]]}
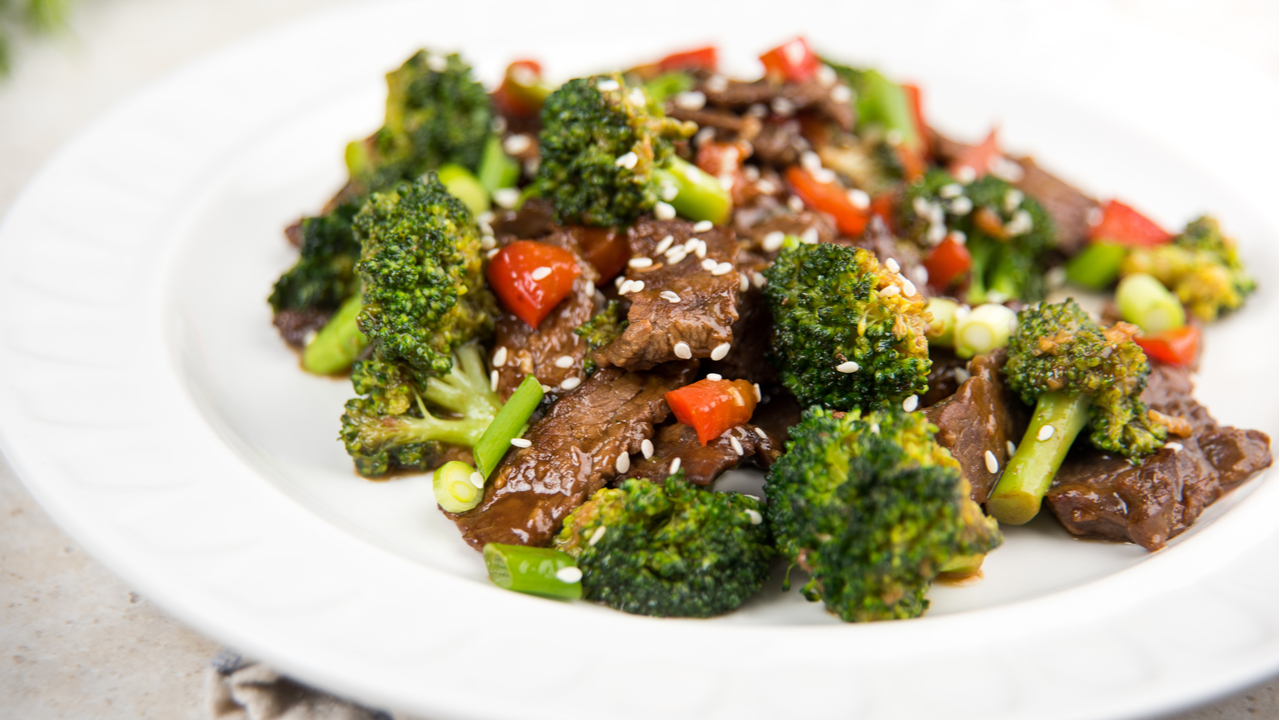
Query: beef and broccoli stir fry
{"points": [[578, 305]]}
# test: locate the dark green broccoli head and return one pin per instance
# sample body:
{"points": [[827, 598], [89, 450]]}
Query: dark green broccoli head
{"points": [[845, 334], [1201, 266], [603, 328], [1060, 349], [423, 275], [1006, 232], [874, 510], [668, 549], [601, 143], [437, 113], [325, 273]]}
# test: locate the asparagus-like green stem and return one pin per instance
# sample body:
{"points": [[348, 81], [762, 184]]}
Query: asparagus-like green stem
{"points": [[456, 488], [507, 425], [983, 329], [338, 343], [1016, 498], [1145, 302], [699, 195], [463, 185], [1097, 266], [942, 331], [533, 570], [496, 170]]}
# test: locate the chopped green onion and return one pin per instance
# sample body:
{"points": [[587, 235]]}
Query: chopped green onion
{"points": [[537, 571], [497, 169], [507, 425], [338, 343], [941, 332], [984, 329], [1097, 266], [699, 195], [1145, 302], [456, 488], [664, 86], [463, 185]]}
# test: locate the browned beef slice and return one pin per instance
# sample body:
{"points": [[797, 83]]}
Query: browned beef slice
{"points": [[790, 223], [574, 452], [702, 464], [809, 95], [535, 218], [535, 351], [943, 378], [731, 124], [296, 325], [982, 416], [705, 306], [747, 358], [780, 143]]}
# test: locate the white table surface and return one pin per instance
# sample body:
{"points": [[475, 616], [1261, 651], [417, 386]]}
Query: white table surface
{"points": [[76, 641]]}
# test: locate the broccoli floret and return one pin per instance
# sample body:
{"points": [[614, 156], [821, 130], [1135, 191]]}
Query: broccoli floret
{"points": [[1007, 232], [846, 335], [324, 276], [873, 509], [423, 276], [603, 328], [668, 549], [437, 113], [391, 427], [1201, 266], [1076, 374], [602, 145]]}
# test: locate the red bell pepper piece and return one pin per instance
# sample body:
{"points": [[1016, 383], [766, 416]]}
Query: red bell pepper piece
{"points": [[704, 58], [793, 61], [1178, 346], [829, 198], [530, 278], [948, 263], [1123, 225], [912, 92], [520, 93], [713, 406], [885, 207], [977, 158]]}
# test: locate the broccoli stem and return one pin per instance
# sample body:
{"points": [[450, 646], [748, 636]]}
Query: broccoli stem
{"points": [[1146, 303], [496, 170], [466, 187], [537, 571], [465, 390], [1026, 479], [699, 195], [455, 487], [338, 343], [507, 425], [1097, 266]]}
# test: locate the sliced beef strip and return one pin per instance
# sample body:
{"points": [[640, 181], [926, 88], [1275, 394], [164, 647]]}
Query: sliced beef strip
{"points": [[702, 315], [574, 452], [296, 326], [536, 351], [982, 416], [702, 464], [1099, 496], [789, 223], [779, 143], [809, 95], [535, 218], [944, 381], [731, 125]]}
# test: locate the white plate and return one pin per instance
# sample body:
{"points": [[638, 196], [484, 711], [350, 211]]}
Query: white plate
{"points": [[147, 402]]}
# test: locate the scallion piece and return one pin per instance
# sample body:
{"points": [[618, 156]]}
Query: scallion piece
{"points": [[506, 425], [984, 329], [699, 195], [1145, 302], [463, 185], [456, 487], [497, 169], [1097, 266], [537, 571], [942, 331], [338, 343]]}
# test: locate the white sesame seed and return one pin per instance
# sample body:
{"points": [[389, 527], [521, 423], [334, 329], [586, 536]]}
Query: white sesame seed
{"points": [[824, 176], [437, 63], [640, 262], [714, 376], [795, 204], [826, 75], [754, 516], [783, 107], [477, 479], [517, 144], [958, 237], [668, 192], [892, 265], [758, 280], [520, 442], [762, 434], [736, 445], [764, 186], [491, 254], [564, 361], [726, 182], [809, 236], [664, 211], [691, 100], [950, 190], [1173, 445], [637, 97], [607, 85], [1094, 217], [911, 403], [922, 275], [709, 264], [682, 351], [859, 199], [625, 287], [1005, 169], [1020, 224], [751, 173], [743, 283], [1045, 433], [772, 242], [893, 137], [847, 367], [908, 287], [690, 245], [703, 226], [1055, 277], [569, 574], [1012, 200], [810, 161], [1010, 448], [717, 83], [500, 356], [756, 388], [646, 448], [627, 161], [961, 375], [993, 465], [966, 175], [920, 205], [676, 255], [936, 234], [841, 93], [890, 291], [595, 536], [570, 383], [723, 268], [701, 249], [675, 467], [623, 463], [704, 136], [506, 197], [960, 206], [669, 296], [637, 285], [720, 351], [664, 245], [487, 242], [493, 380], [540, 273], [619, 281]]}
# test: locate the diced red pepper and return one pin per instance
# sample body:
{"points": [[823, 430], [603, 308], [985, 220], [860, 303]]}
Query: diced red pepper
{"points": [[793, 61], [977, 158], [705, 58], [518, 94], [724, 160], [830, 198], [885, 206], [948, 263], [604, 248], [713, 406], [1179, 346], [917, 116], [530, 278], [1123, 225]]}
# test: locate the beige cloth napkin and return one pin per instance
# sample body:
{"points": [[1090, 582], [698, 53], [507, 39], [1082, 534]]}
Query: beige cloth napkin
{"points": [[240, 689]]}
